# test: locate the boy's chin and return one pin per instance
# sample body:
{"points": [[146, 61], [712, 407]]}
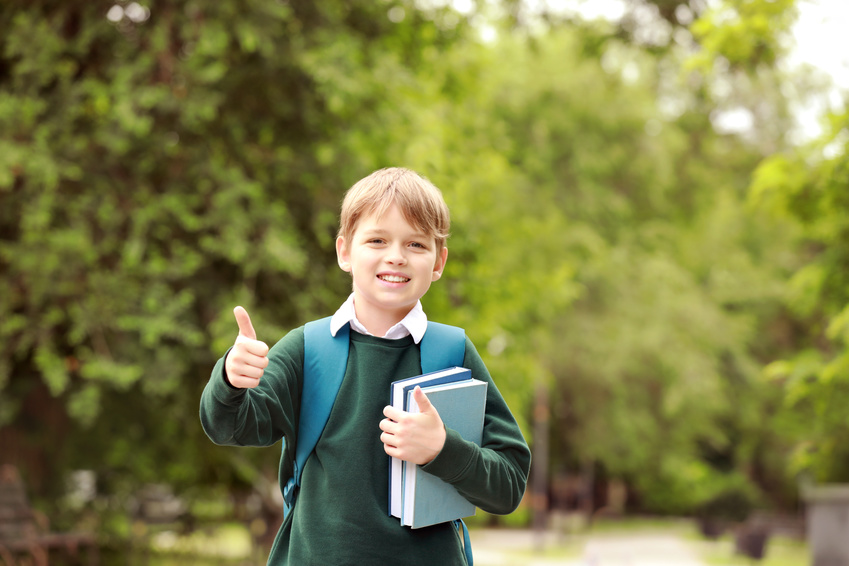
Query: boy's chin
{"points": [[387, 305]]}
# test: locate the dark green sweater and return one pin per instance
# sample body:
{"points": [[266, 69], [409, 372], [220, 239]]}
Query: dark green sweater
{"points": [[341, 513]]}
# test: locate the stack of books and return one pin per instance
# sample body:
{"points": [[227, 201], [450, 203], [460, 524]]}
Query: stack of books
{"points": [[417, 498]]}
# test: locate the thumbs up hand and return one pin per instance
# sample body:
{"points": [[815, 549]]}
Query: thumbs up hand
{"points": [[413, 437], [248, 358]]}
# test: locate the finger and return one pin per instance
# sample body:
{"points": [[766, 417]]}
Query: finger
{"points": [[247, 370], [388, 426], [422, 400], [243, 382], [388, 440], [253, 347], [393, 413], [246, 329]]}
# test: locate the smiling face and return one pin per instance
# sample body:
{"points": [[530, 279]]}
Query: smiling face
{"points": [[392, 264]]}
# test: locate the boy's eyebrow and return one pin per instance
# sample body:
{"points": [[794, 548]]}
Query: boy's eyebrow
{"points": [[381, 231]]}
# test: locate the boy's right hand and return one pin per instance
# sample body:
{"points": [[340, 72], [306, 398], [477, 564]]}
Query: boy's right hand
{"points": [[248, 358]]}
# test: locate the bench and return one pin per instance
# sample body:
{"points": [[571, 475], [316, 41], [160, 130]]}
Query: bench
{"points": [[25, 533]]}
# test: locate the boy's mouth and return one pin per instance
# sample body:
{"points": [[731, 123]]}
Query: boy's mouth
{"points": [[393, 278]]}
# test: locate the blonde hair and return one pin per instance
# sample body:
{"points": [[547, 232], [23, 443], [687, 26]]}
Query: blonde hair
{"points": [[419, 200]]}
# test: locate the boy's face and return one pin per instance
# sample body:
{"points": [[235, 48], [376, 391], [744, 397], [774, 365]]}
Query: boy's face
{"points": [[392, 264]]}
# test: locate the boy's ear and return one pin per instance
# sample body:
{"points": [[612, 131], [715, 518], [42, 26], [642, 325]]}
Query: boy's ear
{"points": [[343, 257], [439, 266]]}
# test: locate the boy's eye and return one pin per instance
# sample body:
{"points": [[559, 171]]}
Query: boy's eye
{"points": [[418, 245]]}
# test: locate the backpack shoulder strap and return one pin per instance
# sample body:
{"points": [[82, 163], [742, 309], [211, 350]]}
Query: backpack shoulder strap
{"points": [[442, 347], [325, 360]]}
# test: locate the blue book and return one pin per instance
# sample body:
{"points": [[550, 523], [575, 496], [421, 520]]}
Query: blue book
{"points": [[427, 499], [398, 398]]}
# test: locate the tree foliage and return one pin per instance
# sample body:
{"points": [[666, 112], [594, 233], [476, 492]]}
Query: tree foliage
{"points": [[809, 186], [158, 167], [656, 365]]}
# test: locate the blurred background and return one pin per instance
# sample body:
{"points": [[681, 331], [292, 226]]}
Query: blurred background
{"points": [[650, 244]]}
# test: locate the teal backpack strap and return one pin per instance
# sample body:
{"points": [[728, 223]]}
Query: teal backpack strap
{"points": [[442, 347], [467, 542], [325, 360]]}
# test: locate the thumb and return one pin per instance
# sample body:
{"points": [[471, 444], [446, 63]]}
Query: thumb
{"points": [[422, 401], [246, 329]]}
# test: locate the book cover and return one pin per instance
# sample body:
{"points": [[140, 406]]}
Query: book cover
{"points": [[398, 398], [427, 499]]}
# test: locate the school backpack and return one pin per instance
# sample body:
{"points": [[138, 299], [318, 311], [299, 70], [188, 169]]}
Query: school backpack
{"points": [[325, 361]]}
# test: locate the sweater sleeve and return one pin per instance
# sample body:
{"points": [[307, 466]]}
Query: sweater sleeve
{"points": [[492, 476], [259, 416]]}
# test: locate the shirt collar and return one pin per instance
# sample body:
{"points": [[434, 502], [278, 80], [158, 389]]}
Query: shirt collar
{"points": [[414, 324]]}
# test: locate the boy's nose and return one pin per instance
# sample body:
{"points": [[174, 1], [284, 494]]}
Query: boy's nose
{"points": [[396, 257]]}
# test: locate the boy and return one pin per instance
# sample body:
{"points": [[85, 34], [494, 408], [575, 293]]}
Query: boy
{"points": [[392, 241]]}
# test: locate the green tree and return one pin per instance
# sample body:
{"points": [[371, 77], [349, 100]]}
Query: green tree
{"points": [[675, 280], [809, 186], [157, 167], [805, 187]]}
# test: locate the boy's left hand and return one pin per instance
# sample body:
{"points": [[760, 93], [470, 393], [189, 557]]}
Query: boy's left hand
{"points": [[413, 437]]}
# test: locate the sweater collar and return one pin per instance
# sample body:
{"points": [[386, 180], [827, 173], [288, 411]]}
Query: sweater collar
{"points": [[414, 324]]}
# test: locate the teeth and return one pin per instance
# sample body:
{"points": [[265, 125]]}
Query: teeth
{"points": [[393, 278]]}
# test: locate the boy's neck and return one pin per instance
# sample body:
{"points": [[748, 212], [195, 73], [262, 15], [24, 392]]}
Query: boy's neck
{"points": [[378, 323]]}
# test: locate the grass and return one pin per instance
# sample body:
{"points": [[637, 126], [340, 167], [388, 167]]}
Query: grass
{"points": [[500, 547], [569, 546], [222, 545], [630, 525], [780, 551], [230, 545], [229, 541]]}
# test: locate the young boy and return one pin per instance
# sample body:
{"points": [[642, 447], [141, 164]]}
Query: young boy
{"points": [[392, 241]]}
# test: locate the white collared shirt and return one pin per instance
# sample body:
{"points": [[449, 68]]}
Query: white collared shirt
{"points": [[414, 324]]}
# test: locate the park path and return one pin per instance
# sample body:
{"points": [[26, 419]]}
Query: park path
{"points": [[516, 548]]}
